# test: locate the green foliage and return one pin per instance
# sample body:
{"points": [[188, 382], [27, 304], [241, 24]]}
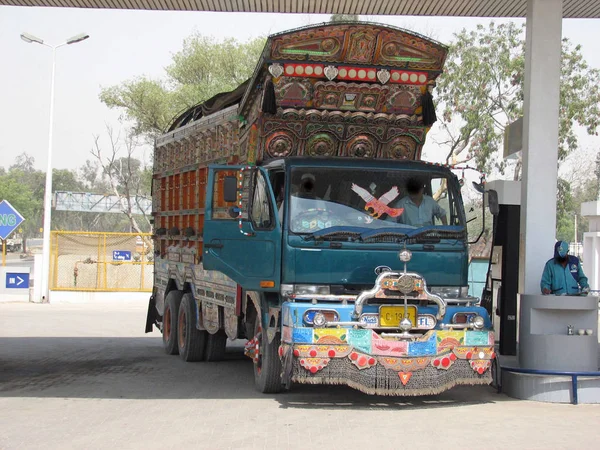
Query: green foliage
{"points": [[203, 68], [481, 92], [24, 186], [344, 18], [17, 194], [565, 210]]}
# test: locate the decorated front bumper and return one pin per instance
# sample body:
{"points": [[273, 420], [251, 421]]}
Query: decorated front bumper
{"points": [[364, 360]]}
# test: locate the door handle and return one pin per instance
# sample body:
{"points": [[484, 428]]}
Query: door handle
{"points": [[213, 245]]}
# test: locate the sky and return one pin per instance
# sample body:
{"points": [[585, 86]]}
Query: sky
{"points": [[128, 44]]}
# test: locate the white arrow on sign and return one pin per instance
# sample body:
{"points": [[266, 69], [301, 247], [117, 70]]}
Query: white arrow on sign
{"points": [[20, 280]]}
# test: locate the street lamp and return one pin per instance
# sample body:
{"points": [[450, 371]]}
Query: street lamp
{"points": [[30, 39]]}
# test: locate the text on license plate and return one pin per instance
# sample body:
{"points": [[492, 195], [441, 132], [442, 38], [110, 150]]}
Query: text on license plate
{"points": [[390, 316]]}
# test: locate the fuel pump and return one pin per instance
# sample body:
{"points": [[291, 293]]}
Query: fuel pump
{"points": [[503, 277]]}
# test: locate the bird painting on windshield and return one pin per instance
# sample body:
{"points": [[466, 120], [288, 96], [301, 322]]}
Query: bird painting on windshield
{"points": [[376, 207]]}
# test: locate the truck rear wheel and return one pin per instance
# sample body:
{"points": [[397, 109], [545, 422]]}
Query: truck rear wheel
{"points": [[191, 341], [169, 326], [215, 346], [267, 365]]}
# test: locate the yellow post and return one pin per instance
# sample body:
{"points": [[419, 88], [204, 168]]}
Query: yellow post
{"points": [[104, 257], [98, 264], [55, 268], [142, 268]]}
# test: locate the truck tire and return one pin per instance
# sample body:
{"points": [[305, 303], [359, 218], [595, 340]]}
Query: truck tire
{"points": [[169, 328], [190, 340], [215, 346], [267, 368]]}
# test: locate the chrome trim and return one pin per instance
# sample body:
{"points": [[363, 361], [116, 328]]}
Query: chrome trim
{"points": [[366, 295], [401, 335], [461, 301], [326, 298], [344, 324], [461, 326]]}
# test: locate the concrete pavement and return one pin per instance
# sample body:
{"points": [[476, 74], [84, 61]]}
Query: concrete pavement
{"points": [[86, 377]]}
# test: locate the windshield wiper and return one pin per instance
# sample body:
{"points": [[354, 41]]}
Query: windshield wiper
{"points": [[420, 235], [393, 234], [335, 233]]}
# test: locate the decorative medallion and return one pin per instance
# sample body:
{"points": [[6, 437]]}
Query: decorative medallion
{"points": [[444, 361], [276, 70], [402, 147], [331, 72], [324, 45], [361, 146], [383, 76], [362, 44], [322, 144], [403, 99], [362, 361], [279, 144], [480, 366], [404, 377], [405, 364], [293, 92], [313, 365]]}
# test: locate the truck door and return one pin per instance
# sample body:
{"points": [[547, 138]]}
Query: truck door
{"points": [[242, 233]]}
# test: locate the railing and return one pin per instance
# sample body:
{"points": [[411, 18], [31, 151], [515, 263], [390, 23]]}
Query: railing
{"points": [[86, 261]]}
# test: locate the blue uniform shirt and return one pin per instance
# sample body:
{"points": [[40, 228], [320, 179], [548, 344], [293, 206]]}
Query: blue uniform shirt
{"points": [[563, 280], [422, 215]]}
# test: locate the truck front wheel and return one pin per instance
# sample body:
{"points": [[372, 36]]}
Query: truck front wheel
{"points": [[191, 341], [267, 365], [169, 326]]}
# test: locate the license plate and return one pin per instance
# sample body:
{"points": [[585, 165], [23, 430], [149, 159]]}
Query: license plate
{"points": [[390, 316]]}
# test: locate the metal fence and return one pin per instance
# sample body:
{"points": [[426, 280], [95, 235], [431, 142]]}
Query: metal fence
{"points": [[82, 261]]}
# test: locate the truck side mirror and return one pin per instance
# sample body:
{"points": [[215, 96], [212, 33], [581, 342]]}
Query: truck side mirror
{"points": [[493, 202], [230, 189]]}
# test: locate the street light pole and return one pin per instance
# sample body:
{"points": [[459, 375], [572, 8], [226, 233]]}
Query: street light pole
{"points": [[48, 188]]}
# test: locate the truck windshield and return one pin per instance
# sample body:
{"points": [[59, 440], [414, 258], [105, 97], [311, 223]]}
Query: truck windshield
{"points": [[322, 198]]}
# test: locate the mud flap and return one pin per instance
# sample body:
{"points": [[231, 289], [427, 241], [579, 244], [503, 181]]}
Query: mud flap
{"points": [[152, 316], [287, 369]]}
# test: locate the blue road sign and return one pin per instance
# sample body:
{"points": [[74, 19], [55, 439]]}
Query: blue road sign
{"points": [[121, 255], [17, 280], [10, 219]]}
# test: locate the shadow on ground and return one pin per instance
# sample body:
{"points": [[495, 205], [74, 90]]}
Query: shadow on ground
{"points": [[138, 368]]}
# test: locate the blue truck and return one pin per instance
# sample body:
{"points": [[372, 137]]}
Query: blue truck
{"points": [[295, 213]]}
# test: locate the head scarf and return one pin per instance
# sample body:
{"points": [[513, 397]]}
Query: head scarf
{"points": [[561, 248]]}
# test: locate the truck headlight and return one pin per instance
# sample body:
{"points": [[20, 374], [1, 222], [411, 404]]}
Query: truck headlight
{"points": [[288, 290], [319, 317], [450, 291], [319, 320], [478, 322]]}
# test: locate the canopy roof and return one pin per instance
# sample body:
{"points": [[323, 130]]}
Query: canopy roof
{"points": [[467, 8]]}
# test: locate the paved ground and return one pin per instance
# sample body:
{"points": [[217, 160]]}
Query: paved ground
{"points": [[86, 377]]}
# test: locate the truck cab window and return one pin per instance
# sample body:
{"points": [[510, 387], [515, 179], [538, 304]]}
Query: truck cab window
{"points": [[260, 213]]}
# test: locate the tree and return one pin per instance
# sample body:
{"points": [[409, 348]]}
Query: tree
{"points": [[127, 177], [344, 18], [580, 183], [24, 186], [481, 92], [203, 68]]}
